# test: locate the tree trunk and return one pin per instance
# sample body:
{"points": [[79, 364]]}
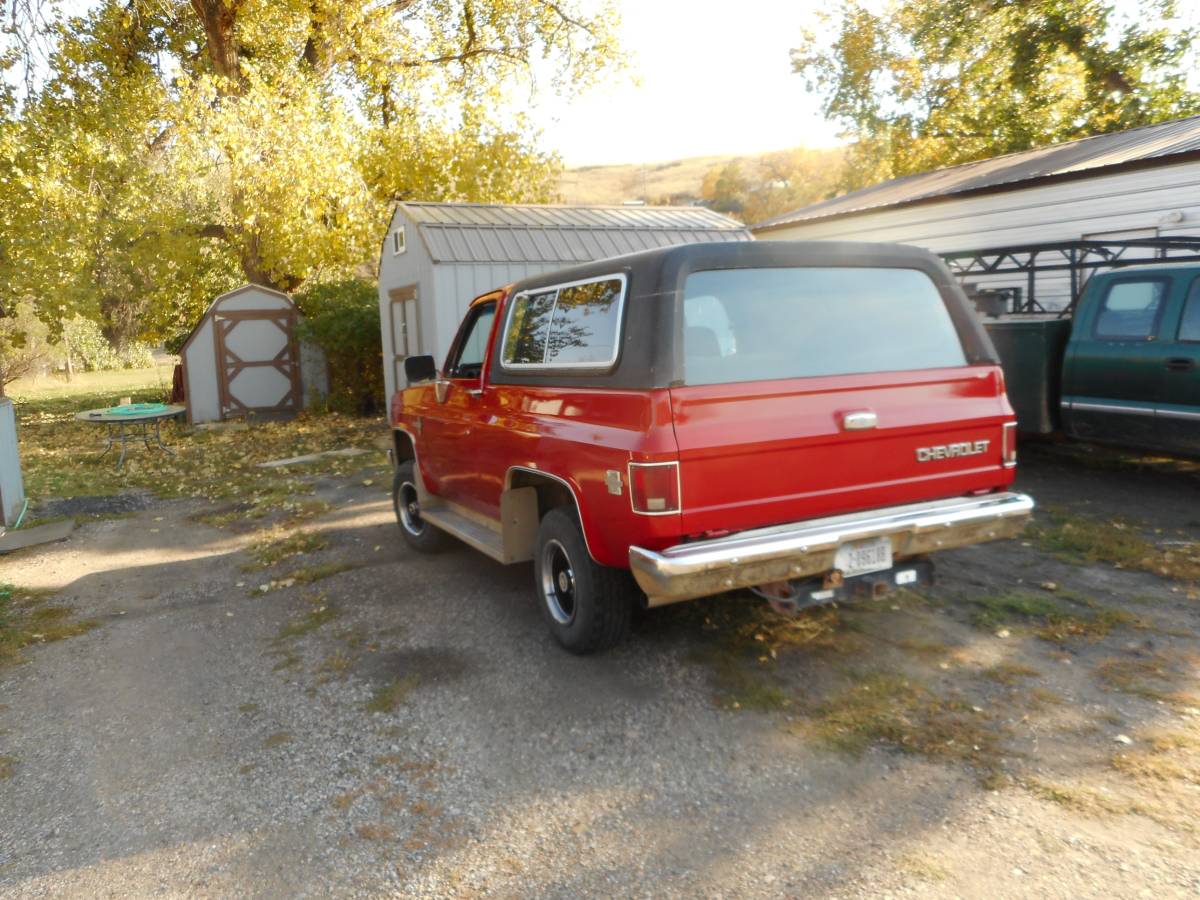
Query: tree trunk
{"points": [[218, 18], [256, 271]]}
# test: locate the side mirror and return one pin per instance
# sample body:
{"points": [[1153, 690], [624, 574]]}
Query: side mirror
{"points": [[419, 368]]}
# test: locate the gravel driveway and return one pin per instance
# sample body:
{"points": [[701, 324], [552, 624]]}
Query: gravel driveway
{"points": [[407, 727]]}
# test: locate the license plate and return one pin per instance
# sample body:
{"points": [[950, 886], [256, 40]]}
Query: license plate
{"points": [[861, 557]]}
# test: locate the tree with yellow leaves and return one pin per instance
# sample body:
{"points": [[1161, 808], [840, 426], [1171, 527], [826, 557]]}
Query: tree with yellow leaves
{"points": [[169, 149]]}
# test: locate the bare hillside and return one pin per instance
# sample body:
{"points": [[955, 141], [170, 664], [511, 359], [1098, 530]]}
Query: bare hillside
{"points": [[751, 187], [616, 184]]}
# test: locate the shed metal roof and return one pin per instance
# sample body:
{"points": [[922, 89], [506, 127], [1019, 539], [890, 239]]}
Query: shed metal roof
{"points": [[486, 233], [1149, 145]]}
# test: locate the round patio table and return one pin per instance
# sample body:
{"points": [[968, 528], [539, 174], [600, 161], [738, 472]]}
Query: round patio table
{"points": [[130, 422]]}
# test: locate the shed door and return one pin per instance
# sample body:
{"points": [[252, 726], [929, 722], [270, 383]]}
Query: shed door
{"points": [[258, 366], [406, 332]]}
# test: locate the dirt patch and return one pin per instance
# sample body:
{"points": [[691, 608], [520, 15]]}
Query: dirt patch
{"points": [[99, 507]]}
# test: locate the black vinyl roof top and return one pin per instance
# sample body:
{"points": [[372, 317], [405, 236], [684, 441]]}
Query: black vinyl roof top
{"points": [[649, 356], [1161, 144], [660, 270]]}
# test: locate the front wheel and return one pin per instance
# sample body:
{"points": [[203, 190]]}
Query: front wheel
{"points": [[586, 605], [417, 533]]}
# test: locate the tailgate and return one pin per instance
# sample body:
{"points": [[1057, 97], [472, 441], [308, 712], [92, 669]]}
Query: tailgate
{"points": [[769, 452]]}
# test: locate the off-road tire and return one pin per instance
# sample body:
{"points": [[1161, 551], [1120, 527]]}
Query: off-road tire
{"points": [[417, 533], [600, 598]]}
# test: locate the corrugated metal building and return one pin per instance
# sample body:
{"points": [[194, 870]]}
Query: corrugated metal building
{"points": [[437, 257], [1133, 184]]}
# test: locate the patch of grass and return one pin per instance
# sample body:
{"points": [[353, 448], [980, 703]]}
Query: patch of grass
{"points": [[287, 660], [1089, 801], [337, 664], [749, 627], [925, 867], [278, 739], [278, 544], [1056, 617], [743, 683], [1076, 797], [1118, 542], [882, 707], [994, 610], [218, 465], [309, 574], [322, 613], [1009, 673], [1062, 627], [378, 831], [1155, 766], [27, 617], [743, 639], [343, 802], [8, 766], [392, 694], [1040, 697], [1151, 677]]}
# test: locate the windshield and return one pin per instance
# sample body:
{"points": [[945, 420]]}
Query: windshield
{"points": [[762, 324]]}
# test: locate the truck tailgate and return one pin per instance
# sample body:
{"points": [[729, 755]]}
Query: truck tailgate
{"points": [[769, 452]]}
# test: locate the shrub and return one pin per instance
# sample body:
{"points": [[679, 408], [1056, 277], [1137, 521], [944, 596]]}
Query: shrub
{"points": [[342, 318], [136, 356], [85, 345], [24, 343]]}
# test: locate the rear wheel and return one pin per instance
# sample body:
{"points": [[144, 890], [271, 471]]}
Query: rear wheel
{"points": [[418, 534], [586, 605]]}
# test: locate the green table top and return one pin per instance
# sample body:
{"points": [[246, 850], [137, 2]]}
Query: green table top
{"points": [[134, 412]]}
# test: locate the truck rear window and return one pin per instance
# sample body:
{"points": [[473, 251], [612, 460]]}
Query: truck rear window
{"points": [[763, 324]]}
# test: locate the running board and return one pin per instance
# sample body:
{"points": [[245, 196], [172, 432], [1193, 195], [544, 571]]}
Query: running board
{"points": [[476, 534], [510, 543]]}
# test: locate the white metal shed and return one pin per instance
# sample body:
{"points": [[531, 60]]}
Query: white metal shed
{"points": [[243, 357], [437, 257], [1140, 183]]}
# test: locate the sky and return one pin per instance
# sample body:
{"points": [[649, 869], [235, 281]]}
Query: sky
{"points": [[716, 78]]}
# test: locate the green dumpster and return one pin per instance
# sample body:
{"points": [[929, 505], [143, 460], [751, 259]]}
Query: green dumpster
{"points": [[1031, 352]]}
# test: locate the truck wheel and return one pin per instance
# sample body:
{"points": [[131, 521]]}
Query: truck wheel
{"points": [[586, 605], [418, 534]]}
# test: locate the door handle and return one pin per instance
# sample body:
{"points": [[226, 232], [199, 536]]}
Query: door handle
{"points": [[475, 392], [860, 420], [1181, 364]]}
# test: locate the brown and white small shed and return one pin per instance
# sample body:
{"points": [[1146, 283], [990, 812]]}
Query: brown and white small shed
{"points": [[243, 357]]}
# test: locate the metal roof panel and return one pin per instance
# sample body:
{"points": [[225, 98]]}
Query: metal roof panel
{"points": [[1149, 142], [484, 233]]}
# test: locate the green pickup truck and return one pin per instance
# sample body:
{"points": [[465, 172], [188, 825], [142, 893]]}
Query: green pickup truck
{"points": [[1125, 369]]}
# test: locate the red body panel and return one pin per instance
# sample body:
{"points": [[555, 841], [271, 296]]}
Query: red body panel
{"points": [[751, 454], [765, 453]]}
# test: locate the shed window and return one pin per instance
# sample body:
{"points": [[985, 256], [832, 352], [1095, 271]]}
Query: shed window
{"points": [[570, 326], [1130, 310], [398, 245]]}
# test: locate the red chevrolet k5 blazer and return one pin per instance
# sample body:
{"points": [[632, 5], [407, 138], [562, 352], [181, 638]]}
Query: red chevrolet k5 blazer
{"points": [[808, 420]]}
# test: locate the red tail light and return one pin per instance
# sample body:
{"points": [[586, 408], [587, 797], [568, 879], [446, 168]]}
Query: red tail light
{"points": [[654, 488], [1008, 444]]}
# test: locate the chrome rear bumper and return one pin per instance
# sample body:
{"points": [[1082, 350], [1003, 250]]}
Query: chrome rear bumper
{"points": [[799, 549]]}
